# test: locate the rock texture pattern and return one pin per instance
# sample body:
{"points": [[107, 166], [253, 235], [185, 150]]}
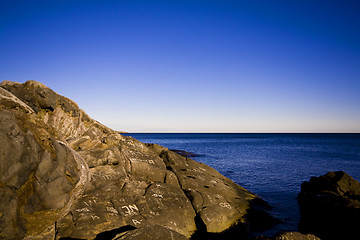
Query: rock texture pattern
{"points": [[65, 175], [330, 206]]}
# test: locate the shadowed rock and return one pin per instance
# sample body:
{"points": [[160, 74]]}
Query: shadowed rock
{"points": [[330, 206], [66, 176]]}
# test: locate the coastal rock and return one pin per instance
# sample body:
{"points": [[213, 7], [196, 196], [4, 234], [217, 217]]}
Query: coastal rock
{"points": [[330, 206], [218, 201], [40, 177], [65, 175]]}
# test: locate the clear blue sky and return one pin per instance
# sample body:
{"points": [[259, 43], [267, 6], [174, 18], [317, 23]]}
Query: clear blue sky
{"points": [[192, 66]]}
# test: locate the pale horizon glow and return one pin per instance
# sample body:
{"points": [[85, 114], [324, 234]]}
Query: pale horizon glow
{"points": [[192, 66]]}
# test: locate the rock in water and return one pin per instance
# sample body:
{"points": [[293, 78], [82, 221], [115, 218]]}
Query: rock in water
{"points": [[65, 175], [330, 206]]}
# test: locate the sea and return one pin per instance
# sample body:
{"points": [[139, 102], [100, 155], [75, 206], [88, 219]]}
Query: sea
{"points": [[273, 166]]}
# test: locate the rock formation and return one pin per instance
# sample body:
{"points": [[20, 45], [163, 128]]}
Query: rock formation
{"points": [[330, 206], [65, 175]]}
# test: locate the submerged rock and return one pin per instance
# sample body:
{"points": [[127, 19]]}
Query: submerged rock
{"points": [[330, 206], [65, 175]]}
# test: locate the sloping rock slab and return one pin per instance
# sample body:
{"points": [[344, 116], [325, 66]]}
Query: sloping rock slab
{"points": [[218, 201], [330, 206]]}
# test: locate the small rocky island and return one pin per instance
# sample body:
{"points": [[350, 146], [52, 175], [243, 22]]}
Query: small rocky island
{"points": [[64, 175]]}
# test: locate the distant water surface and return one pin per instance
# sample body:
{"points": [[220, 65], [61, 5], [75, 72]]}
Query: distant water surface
{"points": [[272, 166]]}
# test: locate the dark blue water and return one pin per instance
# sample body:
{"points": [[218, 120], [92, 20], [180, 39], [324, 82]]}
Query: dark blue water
{"points": [[272, 166]]}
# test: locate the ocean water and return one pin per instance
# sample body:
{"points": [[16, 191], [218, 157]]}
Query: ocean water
{"points": [[273, 166]]}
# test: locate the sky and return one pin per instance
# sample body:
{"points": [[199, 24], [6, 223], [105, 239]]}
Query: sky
{"points": [[192, 65]]}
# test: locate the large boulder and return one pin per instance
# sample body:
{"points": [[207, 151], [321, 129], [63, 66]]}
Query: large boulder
{"points": [[40, 177], [65, 175], [330, 206]]}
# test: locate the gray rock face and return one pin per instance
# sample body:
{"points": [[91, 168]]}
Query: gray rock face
{"points": [[65, 175], [39, 176], [330, 206], [218, 201]]}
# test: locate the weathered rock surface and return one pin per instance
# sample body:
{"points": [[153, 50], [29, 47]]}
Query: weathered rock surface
{"points": [[40, 176], [330, 206], [64, 175]]}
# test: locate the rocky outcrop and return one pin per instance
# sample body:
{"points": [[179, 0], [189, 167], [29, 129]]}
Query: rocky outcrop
{"points": [[330, 206], [40, 176], [65, 175]]}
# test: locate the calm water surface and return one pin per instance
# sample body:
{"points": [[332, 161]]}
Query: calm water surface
{"points": [[272, 166]]}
